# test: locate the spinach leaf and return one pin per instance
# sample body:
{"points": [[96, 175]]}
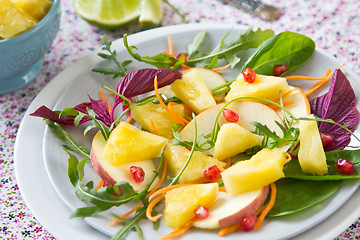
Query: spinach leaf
{"points": [[287, 48], [293, 169], [294, 195]]}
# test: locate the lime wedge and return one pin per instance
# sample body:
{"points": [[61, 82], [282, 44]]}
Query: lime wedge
{"points": [[152, 12], [108, 13]]}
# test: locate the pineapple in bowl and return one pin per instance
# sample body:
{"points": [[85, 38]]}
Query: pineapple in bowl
{"points": [[27, 30]]}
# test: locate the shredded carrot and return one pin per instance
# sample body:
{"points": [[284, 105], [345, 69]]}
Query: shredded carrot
{"points": [[222, 189], [219, 165], [156, 89], [267, 208], [129, 119], [324, 78], [112, 222], [152, 205], [316, 87], [171, 49], [257, 212], [228, 162], [165, 189], [285, 104], [103, 97], [100, 183], [177, 117], [221, 68], [162, 178], [153, 127], [173, 114], [172, 56], [228, 229]]}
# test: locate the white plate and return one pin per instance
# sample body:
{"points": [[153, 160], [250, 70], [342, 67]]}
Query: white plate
{"points": [[81, 81]]}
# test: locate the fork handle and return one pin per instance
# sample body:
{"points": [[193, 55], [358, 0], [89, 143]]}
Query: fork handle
{"points": [[257, 7], [249, 5]]}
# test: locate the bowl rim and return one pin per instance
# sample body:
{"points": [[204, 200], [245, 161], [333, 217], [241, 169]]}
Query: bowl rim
{"points": [[50, 13]]}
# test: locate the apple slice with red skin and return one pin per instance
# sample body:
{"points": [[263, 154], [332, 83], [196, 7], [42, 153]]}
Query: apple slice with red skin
{"points": [[112, 174], [248, 111], [229, 210]]}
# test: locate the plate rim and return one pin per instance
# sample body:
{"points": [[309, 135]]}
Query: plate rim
{"points": [[67, 70]]}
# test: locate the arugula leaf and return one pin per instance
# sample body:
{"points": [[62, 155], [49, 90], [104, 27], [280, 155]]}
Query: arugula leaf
{"points": [[62, 134], [131, 224], [293, 170], [111, 56], [271, 139], [160, 60], [295, 195], [193, 46], [287, 48], [250, 39]]}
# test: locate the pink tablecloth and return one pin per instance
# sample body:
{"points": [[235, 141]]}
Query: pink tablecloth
{"points": [[332, 24]]}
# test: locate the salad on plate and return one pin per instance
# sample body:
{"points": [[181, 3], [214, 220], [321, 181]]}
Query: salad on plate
{"points": [[192, 149]]}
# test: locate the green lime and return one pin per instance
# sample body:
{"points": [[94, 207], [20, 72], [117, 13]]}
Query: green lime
{"points": [[108, 13], [152, 12]]}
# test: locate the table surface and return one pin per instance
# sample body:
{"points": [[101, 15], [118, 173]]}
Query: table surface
{"points": [[332, 24]]}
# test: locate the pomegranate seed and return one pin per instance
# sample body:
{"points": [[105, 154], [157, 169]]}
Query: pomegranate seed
{"points": [[212, 173], [138, 174], [326, 138], [345, 166], [248, 223], [202, 212], [186, 57], [230, 115], [249, 75], [279, 69]]}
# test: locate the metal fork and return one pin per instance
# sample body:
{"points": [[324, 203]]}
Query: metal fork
{"points": [[264, 11]]}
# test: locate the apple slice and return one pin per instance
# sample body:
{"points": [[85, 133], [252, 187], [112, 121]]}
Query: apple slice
{"points": [[247, 111], [229, 210], [204, 122], [299, 104], [211, 78], [253, 111], [112, 174]]}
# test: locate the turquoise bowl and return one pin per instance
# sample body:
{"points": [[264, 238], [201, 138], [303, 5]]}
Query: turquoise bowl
{"points": [[21, 56]]}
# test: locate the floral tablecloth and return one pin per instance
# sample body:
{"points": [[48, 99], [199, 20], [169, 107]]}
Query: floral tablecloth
{"points": [[332, 24]]}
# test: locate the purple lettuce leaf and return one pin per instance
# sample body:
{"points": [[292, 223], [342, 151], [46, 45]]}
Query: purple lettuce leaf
{"points": [[339, 105], [98, 106], [101, 110], [142, 81]]}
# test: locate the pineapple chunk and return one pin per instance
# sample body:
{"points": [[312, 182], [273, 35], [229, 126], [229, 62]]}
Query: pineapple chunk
{"points": [[129, 144], [35, 8], [311, 154], [192, 90], [177, 155], [162, 119], [181, 202], [264, 87], [263, 168], [233, 139], [13, 20]]}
